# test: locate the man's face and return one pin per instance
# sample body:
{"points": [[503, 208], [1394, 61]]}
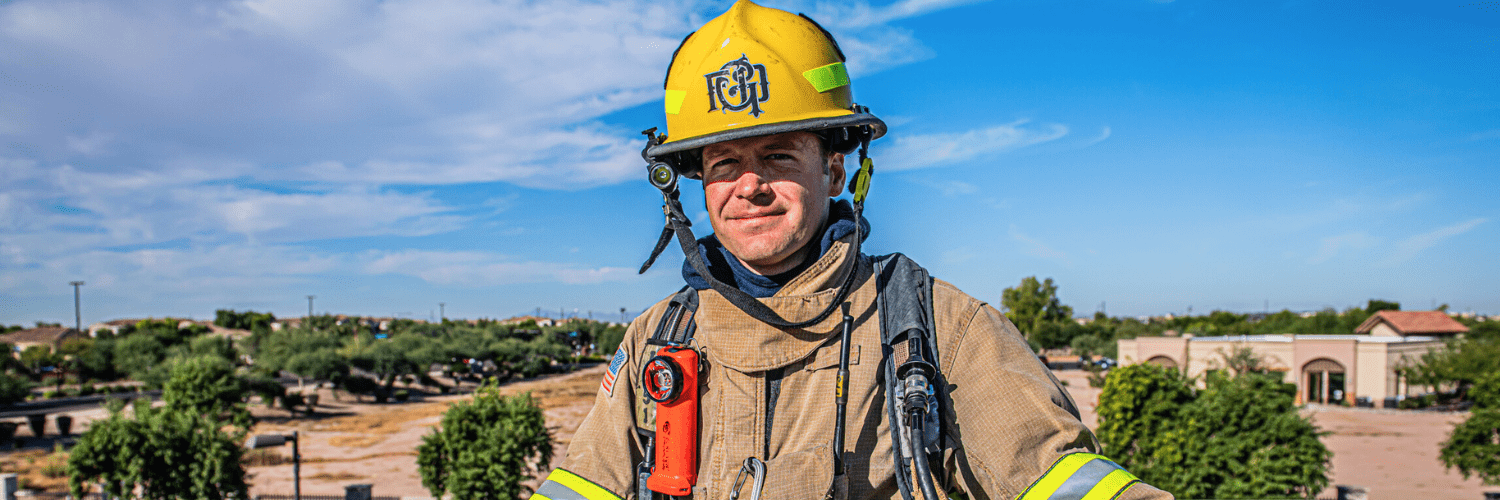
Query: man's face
{"points": [[768, 196]]}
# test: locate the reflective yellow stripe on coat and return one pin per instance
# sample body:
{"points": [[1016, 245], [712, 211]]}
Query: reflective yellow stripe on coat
{"points": [[564, 485], [1080, 476]]}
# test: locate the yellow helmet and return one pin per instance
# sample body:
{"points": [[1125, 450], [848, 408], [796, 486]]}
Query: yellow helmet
{"points": [[758, 71]]}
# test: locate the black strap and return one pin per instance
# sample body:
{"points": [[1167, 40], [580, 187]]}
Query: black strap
{"points": [[773, 393], [906, 321], [744, 301], [678, 322]]}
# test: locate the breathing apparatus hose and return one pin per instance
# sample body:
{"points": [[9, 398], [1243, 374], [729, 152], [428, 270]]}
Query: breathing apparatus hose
{"points": [[916, 419]]}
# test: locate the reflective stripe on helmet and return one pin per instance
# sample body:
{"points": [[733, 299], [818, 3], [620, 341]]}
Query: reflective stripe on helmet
{"points": [[1080, 476], [564, 485]]}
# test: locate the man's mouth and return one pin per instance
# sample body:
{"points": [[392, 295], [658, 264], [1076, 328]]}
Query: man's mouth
{"points": [[752, 216]]}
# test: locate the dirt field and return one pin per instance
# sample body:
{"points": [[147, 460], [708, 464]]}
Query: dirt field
{"points": [[347, 442]]}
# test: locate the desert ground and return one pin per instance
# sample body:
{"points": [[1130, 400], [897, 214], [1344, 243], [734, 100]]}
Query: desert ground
{"points": [[1392, 453]]}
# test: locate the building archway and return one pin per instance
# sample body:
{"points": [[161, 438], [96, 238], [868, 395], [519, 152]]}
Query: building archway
{"points": [[1323, 382], [1163, 361]]}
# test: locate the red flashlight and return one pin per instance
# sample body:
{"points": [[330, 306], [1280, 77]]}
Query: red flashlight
{"points": [[671, 379]]}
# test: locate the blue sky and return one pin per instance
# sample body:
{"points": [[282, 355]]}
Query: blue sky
{"points": [[388, 156]]}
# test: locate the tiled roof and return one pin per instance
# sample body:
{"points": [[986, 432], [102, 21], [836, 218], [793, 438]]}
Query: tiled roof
{"points": [[1414, 323], [48, 334]]}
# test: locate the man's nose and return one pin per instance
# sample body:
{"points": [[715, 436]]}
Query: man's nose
{"points": [[752, 184]]}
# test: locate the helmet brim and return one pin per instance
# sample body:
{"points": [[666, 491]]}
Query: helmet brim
{"points": [[671, 148]]}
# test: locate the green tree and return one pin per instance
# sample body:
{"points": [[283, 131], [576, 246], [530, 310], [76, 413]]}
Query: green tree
{"points": [[322, 364], [1460, 364], [159, 453], [1377, 305], [137, 355], [1240, 437], [1244, 439], [608, 340], [207, 345], [1033, 304], [248, 320], [37, 357], [1037, 313], [1139, 404], [1473, 447], [406, 354], [207, 385], [273, 350], [486, 447], [13, 388]]}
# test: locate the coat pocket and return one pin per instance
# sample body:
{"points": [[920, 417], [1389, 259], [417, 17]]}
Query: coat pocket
{"points": [[803, 475]]}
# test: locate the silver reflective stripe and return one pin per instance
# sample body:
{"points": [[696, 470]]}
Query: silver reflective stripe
{"points": [[556, 491], [1082, 481]]}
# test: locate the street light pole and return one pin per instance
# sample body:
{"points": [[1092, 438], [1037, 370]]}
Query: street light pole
{"points": [[296, 467], [77, 313], [270, 440]]}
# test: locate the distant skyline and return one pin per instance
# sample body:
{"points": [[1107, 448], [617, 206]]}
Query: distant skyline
{"points": [[385, 156]]}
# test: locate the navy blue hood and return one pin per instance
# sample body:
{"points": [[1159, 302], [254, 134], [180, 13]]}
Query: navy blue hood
{"points": [[728, 269]]}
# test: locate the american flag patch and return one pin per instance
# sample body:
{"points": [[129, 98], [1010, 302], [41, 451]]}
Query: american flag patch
{"points": [[614, 371]]}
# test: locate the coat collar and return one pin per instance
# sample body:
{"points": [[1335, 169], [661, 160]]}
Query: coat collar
{"points": [[739, 341]]}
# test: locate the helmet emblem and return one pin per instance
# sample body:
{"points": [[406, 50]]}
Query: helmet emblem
{"points": [[737, 86]]}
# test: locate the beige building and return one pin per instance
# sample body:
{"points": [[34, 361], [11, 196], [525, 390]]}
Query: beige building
{"points": [[50, 336], [1325, 368]]}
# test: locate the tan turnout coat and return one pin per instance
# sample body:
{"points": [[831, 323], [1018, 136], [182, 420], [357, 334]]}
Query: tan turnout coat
{"points": [[1010, 420]]}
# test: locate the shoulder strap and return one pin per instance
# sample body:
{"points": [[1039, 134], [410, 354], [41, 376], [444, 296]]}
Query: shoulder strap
{"points": [[905, 303], [677, 325], [907, 329]]}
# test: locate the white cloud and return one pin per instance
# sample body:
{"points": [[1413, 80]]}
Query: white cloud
{"points": [[931, 150], [194, 144], [483, 269], [1103, 134], [950, 187], [1408, 249], [1332, 245], [112, 209], [860, 15]]}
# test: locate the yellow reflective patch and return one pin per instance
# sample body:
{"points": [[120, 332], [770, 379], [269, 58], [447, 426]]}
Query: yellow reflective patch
{"points": [[1111, 486], [1048, 484], [539, 496], [581, 486], [828, 77], [674, 101]]}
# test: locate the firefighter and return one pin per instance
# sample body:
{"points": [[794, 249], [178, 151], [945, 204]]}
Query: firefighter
{"points": [[781, 363]]}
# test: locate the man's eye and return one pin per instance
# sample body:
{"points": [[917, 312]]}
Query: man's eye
{"points": [[779, 156]]}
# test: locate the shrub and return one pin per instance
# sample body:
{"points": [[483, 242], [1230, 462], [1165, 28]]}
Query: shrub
{"points": [[159, 453], [14, 388], [485, 447], [1240, 437]]}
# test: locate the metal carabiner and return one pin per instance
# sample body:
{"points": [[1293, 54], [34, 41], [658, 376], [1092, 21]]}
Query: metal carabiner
{"points": [[756, 469]]}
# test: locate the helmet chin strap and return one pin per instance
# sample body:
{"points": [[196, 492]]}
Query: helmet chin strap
{"points": [[677, 223]]}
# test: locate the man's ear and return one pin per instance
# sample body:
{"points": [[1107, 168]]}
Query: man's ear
{"points": [[835, 174]]}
